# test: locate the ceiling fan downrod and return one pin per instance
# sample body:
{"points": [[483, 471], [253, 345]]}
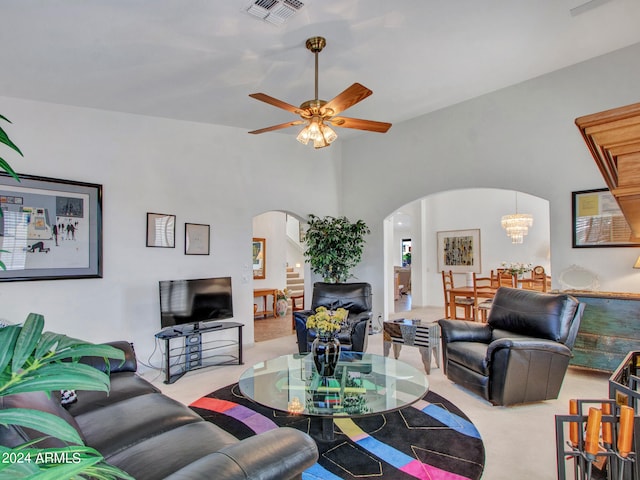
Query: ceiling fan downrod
{"points": [[315, 45]]}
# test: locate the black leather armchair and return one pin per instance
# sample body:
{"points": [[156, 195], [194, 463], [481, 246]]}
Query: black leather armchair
{"points": [[521, 354], [355, 297]]}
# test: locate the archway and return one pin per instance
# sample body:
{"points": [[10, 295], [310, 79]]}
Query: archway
{"points": [[283, 260], [476, 208]]}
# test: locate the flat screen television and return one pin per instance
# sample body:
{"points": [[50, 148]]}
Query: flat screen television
{"points": [[185, 304]]}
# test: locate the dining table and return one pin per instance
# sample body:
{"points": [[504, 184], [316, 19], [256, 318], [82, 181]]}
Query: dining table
{"points": [[468, 291]]}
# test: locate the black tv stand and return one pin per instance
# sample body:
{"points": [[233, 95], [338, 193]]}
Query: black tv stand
{"points": [[196, 353]]}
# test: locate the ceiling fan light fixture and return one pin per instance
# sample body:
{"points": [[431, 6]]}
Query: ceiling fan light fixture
{"points": [[322, 135], [303, 136], [328, 133], [315, 112]]}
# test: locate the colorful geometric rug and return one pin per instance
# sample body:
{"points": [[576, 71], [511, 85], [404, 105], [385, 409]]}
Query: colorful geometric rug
{"points": [[431, 440]]}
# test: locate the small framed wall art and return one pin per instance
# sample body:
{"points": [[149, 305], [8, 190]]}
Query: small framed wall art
{"points": [[161, 230], [196, 239], [459, 251], [259, 256]]}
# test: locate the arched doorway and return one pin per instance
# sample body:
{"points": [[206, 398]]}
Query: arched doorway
{"points": [[283, 268], [475, 208]]}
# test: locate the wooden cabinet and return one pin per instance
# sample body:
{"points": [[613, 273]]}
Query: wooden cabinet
{"points": [[609, 330]]}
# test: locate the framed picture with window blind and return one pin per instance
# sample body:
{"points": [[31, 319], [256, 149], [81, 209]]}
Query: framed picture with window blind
{"points": [[599, 222]]}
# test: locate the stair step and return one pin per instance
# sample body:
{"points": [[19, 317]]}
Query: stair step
{"points": [[295, 281]]}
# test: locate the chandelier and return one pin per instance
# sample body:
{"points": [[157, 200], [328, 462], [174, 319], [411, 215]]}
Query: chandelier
{"points": [[517, 225]]}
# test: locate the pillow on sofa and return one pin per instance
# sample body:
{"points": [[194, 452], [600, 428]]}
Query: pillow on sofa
{"points": [[67, 397]]}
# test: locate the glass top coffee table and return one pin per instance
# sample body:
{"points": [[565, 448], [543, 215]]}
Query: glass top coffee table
{"points": [[363, 384]]}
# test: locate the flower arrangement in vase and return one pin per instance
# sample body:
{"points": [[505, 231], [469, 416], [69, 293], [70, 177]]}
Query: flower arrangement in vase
{"points": [[326, 322], [326, 347], [517, 268]]}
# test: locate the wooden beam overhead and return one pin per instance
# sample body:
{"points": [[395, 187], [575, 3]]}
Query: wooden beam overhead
{"points": [[613, 138]]}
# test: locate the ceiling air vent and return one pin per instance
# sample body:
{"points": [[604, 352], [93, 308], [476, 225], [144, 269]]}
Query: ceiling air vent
{"points": [[274, 11]]}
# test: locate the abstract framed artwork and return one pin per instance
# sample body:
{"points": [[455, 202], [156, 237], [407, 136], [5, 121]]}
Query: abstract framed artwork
{"points": [[459, 251], [196, 239], [161, 230], [598, 221], [259, 257], [50, 229]]}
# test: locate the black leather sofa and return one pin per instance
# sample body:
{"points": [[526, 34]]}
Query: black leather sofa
{"points": [[354, 297], [152, 437], [523, 351]]}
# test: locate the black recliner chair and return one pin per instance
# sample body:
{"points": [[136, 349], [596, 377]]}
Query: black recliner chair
{"points": [[354, 297], [523, 351]]}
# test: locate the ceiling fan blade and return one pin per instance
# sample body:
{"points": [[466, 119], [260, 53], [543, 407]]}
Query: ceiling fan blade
{"points": [[352, 95], [263, 97], [358, 124], [279, 127]]}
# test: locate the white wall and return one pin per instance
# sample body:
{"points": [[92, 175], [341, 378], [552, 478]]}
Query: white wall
{"points": [[201, 173], [521, 138]]}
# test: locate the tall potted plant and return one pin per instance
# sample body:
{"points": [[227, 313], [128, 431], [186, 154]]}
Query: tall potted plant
{"points": [[334, 246]]}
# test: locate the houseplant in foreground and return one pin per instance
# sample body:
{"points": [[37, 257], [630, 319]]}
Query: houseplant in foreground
{"points": [[32, 361], [334, 246]]}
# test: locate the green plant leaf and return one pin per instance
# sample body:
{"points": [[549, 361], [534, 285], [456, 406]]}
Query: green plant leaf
{"points": [[88, 350], [8, 337], [7, 168], [44, 422], [27, 340], [4, 138], [66, 342], [47, 342], [58, 376]]}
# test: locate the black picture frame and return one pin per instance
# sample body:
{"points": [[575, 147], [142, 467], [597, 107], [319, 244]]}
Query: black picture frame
{"points": [[196, 239], [51, 228], [161, 230], [598, 222]]}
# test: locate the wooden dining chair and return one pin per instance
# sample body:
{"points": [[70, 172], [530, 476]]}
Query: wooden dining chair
{"points": [[504, 278], [538, 280], [465, 302], [483, 292], [297, 305]]}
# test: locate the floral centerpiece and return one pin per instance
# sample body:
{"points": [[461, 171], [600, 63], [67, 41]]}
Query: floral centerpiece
{"points": [[326, 322], [517, 268], [325, 348], [282, 294]]}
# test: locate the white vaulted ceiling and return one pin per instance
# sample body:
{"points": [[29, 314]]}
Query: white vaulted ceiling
{"points": [[198, 60]]}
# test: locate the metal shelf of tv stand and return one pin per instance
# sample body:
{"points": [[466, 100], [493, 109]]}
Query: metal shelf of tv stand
{"points": [[169, 334]]}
